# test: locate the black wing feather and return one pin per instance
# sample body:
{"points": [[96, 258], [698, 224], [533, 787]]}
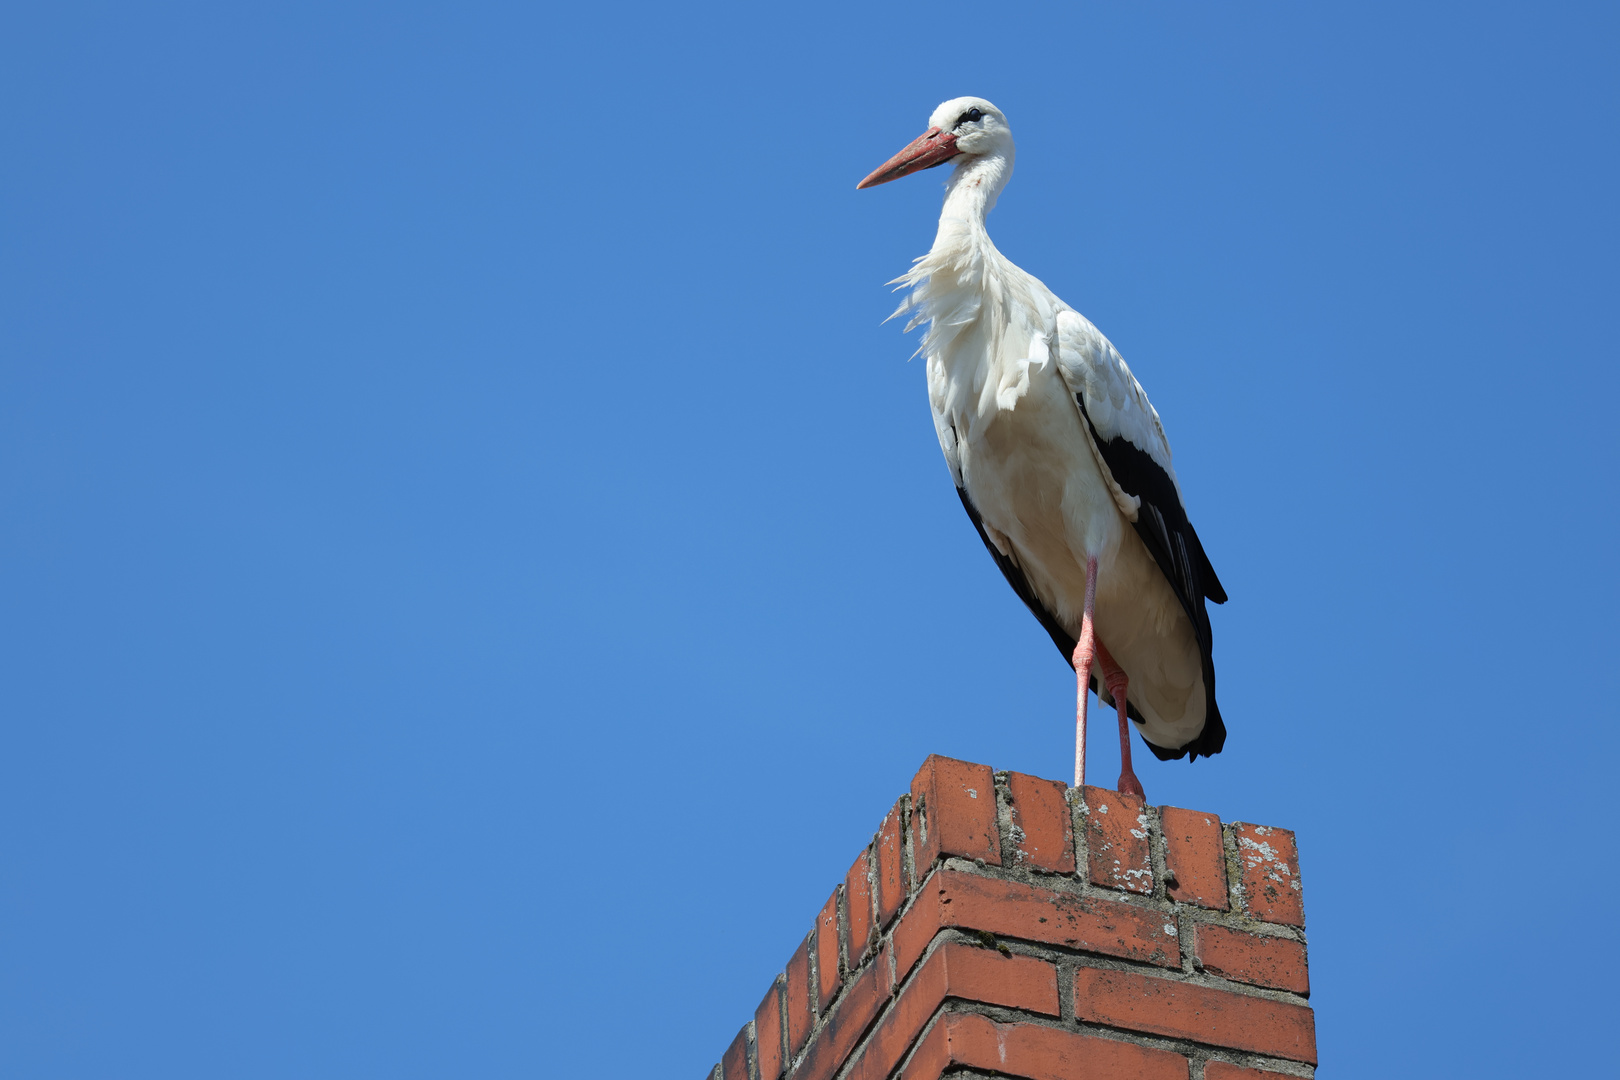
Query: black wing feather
{"points": [[1162, 524]]}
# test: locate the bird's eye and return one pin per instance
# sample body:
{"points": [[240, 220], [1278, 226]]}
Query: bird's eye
{"points": [[971, 114]]}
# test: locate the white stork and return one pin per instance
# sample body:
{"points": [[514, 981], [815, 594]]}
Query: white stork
{"points": [[1060, 460]]}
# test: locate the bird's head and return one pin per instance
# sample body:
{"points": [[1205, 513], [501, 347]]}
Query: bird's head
{"points": [[968, 126]]}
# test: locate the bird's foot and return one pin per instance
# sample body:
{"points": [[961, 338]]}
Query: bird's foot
{"points": [[1118, 684], [1130, 785]]}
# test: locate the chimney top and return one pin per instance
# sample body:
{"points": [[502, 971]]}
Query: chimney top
{"points": [[1002, 922]]}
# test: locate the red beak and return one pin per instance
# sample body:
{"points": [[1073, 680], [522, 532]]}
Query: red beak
{"points": [[932, 147]]}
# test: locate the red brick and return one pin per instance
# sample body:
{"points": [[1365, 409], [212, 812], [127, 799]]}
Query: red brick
{"points": [[1161, 1006], [798, 997], [1030, 913], [953, 812], [1043, 834], [734, 1066], [1268, 864], [1221, 1070], [1117, 840], [931, 1058], [885, 967], [1035, 1052], [1195, 857], [843, 1029], [768, 1033], [958, 971], [858, 910], [1264, 961], [891, 870], [979, 973], [827, 977]]}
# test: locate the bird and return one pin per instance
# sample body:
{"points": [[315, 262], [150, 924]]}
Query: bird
{"points": [[1060, 460]]}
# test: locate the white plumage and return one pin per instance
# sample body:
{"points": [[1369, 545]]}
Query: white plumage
{"points": [[1057, 453]]}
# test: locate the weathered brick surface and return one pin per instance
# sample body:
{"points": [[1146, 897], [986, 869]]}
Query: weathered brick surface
{"points": [[1264, 961], [968, 977], [1268, 874], [1223, 1070], [1169, 1007], [843, 1028], [933, 1054], [891, 878], [827, 976], [1195, 856], [1036, 1052], [959, 971], [981, 973], [799, 1017], [1014, 909], [1043, 831], [953, 812], [884, 962], [858, 910], [1117, 850], [768, 1033], [734, 1065]]}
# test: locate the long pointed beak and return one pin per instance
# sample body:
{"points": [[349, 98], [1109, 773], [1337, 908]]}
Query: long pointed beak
{"points": [[932, 147]]}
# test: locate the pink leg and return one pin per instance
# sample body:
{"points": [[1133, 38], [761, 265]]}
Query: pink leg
{"points": [[1083, 651], [1114, 678]]}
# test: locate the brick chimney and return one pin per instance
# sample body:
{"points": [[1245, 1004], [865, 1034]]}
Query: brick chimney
{"points": [[999, 923]]}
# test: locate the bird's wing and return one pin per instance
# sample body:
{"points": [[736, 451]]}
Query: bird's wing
{"points": [[1130, 444], [1128, 441]]}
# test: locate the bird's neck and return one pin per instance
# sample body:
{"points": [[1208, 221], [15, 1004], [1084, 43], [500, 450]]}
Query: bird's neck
{"points": [[963, 279], [970, 195]]}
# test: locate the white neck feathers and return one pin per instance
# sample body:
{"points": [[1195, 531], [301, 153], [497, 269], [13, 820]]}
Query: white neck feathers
{"points": [[963, 276]]}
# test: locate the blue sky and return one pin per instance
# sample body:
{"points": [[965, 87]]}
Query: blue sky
{"points": [[474, 568]]}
